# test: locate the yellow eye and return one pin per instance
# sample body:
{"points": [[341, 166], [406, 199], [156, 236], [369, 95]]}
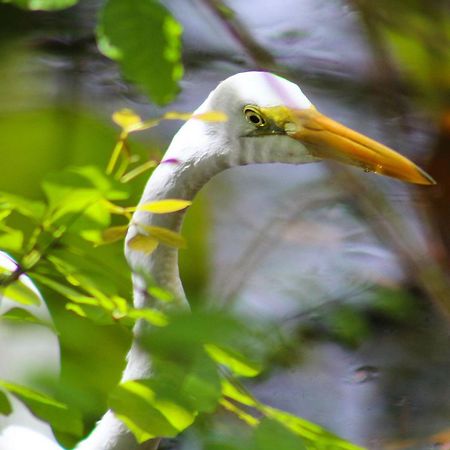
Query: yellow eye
{"points": [[254, 116]]}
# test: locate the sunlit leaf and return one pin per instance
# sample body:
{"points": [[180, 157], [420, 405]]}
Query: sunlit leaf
{"points": [[11, 240], [152, 316], [141, 243], [135, 403], [92, 312], [239, 395], [164, 206], [236, 362], [138, 171], [114, 234], [5, 405], [4, 213], [20, 293], [46, 408], [126, 118], [57, 286], [165, 236], [309, 431], [160, 293], [173, 115], [84, 273], [46, 5], [211, 116], [239, 412], [150, 54]]}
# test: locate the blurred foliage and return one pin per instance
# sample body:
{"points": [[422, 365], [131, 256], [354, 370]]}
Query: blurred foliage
{"points": [[47, 5], [155, 41], [416, 35]]}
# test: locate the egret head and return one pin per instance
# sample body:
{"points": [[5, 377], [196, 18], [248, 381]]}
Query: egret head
{"points": [[271, 120]]}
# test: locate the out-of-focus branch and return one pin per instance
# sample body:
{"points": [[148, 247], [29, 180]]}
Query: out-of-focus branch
{"points": [[439, 199], [261, 57]]}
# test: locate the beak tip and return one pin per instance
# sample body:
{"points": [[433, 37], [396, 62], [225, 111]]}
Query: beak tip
{"points": [[425, 179]]}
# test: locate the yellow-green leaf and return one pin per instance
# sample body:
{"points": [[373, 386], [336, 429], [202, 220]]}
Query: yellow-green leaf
{"points": [[211, 116], [165, 236], [19, 292], [152, 316], [173, 115], [114, 234], [243, 415], [233, 392], [236, 362], [148, 413], [126, 118], [143, 243], [164, 206]]}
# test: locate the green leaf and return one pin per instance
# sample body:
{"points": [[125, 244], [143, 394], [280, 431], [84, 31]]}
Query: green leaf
{"points": [[187, 334], [11, 240], [76, 198], [235, 361], [271, 434], [28, 208], [22, 316], [160, 294], [92, 312], [5, 405], [83, 272], [46, 5], [46, 408], [20, 293], [4, 213], [58, 287], [201, 384], [169, 402], [136, 404], [145, 40], [151, 316]]}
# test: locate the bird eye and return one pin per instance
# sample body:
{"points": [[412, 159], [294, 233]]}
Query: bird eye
{"points": [[254, 116]]}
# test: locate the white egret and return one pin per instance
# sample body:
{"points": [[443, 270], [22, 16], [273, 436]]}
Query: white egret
{"points": [[270, 120]]}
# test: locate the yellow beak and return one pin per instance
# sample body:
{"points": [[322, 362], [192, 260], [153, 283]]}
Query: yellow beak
{"points": [[328, 139]]}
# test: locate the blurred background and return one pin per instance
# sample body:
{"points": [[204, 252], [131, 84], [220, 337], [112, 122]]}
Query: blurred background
{"points": [[352, 268]]}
